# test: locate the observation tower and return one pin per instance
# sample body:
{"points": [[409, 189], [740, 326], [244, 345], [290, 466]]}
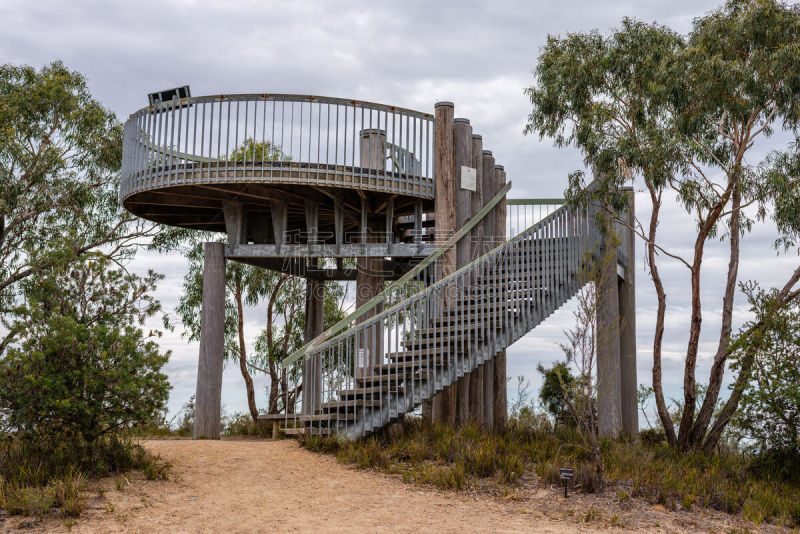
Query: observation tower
{"points": [[449, 272]]}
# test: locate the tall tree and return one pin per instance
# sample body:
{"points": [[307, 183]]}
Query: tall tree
{"points": [[687, 115], [60, 154]]}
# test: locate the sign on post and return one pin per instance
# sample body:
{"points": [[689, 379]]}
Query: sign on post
{"points": [[566, 474], [469, 178]]}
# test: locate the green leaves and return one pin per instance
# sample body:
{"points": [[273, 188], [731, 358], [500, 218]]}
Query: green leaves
{"points": [[60, 152], [84, 367], [770, 405], [605, 95]]}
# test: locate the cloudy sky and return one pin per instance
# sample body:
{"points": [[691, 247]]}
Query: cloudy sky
{"points": [[411, 54]]}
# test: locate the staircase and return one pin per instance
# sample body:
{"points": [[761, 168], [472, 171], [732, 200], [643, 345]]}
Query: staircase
{"points": [[387, 365]]}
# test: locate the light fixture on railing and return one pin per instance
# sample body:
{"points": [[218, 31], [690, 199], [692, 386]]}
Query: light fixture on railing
{"points": [[168, 95]]}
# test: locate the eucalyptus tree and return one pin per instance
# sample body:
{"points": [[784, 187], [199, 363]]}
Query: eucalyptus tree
{"points": [[60, 155], [688, 115]]}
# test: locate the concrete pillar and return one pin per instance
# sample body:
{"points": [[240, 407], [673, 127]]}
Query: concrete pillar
{"points": [[445, 220], [609, 403], [500, 394], [207, 400], [476, 250], [490, 237], [312, 372], [627, 313], [462, 146]]}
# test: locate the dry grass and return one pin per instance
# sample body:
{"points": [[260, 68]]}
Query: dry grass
{"points": [[40, 475], [457, 459]]}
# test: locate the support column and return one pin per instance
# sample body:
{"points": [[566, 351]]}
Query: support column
{"points": [[464, 174], [369, 273], [500, 394], [207, 400], [445, 220], [627, 313], [476, 250], [489, 234], [312, 372], [609, 405]]}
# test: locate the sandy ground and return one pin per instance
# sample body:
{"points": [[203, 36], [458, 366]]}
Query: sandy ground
{"points": [[276, 486]]}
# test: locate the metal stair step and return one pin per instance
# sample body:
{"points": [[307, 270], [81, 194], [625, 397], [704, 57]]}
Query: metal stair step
{"points": [[325, 417], [410, 359], [393, 378], [350, 404], [370, 390], [419, 342], [300, 431]]}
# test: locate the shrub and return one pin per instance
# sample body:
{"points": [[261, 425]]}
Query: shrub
{"points": [[510, 467], [242, 424], [83, 368], [769, 417]]}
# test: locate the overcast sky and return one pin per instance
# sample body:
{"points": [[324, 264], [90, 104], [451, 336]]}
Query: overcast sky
{"points": [[411, 54]]}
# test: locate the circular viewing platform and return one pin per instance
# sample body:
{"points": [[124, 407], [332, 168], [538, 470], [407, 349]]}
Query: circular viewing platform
{"points": [[184, 160]]}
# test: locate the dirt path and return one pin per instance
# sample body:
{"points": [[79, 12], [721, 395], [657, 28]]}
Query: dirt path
{"points": [[275, 486]]}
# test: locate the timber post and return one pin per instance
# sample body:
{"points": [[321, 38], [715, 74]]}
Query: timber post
{"points": [[490, 236], [464, 177], [208, 396], [627, 313], [312, 371], [445, 223], [609, 388], [369, 272], [476, 250], [500, 393]]}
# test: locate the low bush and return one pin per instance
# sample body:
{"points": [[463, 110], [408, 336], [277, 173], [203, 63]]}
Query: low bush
{"points": [[242, 424], [42, 474]]}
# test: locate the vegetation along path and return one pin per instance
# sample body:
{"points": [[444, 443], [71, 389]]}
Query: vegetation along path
{"points": [[277, 486]]}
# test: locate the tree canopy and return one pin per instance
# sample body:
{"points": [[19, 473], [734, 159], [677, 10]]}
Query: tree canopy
{"points": [[686, 114], [60, 154]]}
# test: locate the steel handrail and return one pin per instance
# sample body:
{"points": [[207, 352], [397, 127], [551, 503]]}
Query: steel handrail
{"points": [[282, 97], [319, 341], [444, 281]]}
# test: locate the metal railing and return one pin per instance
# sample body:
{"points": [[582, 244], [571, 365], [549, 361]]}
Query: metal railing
{"points": [[405, 352], [420, 276], [279, 139], [522, 213]]}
